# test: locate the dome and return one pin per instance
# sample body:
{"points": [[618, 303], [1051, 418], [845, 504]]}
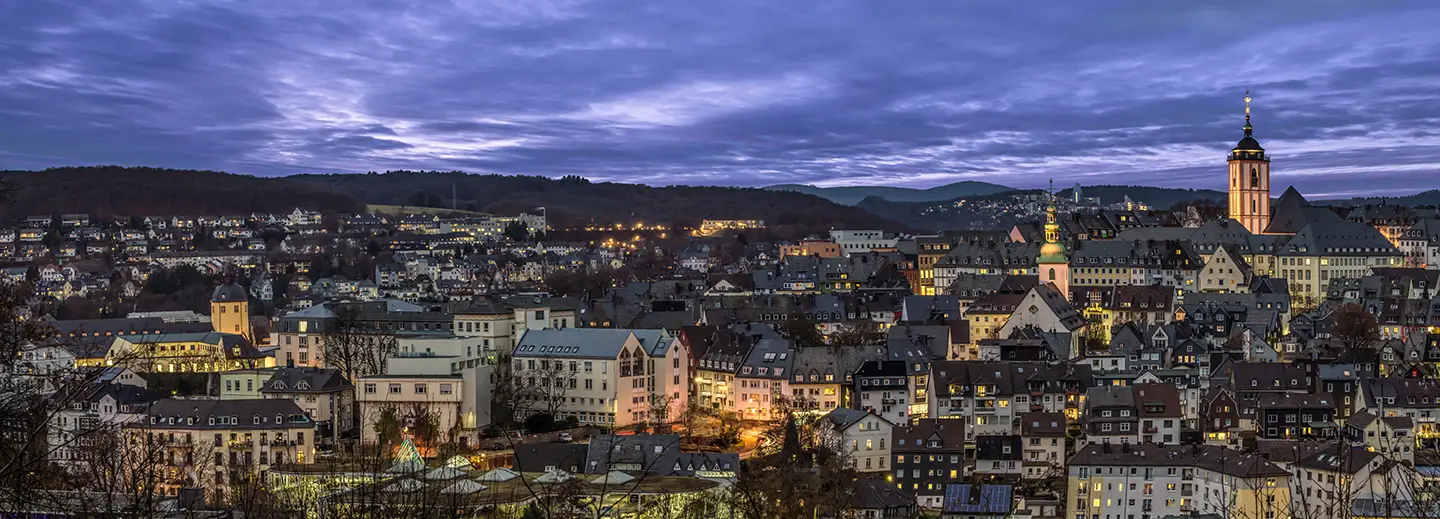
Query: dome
{"points": [[1052, 253], [1248, 144], [229, 293]]}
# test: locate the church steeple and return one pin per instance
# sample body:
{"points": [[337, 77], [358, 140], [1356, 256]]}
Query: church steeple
{"points": [[1249, 201], [1054, 267]]}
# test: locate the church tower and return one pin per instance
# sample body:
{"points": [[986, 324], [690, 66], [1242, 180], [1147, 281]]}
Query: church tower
{"points": [[1054, 267], [1249, 180]]}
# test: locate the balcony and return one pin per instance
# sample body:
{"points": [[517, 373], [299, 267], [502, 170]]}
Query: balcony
{"points": [[1150, 430], [282, 443], [237, 444]]}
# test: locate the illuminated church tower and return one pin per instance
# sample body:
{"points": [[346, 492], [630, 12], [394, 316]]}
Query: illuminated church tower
{"points": [[1249, 180], [1054, 267]]}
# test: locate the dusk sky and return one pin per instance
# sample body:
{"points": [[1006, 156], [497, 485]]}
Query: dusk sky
{"points": [[736, 92]]}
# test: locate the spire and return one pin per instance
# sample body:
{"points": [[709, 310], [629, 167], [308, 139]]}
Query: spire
{"points": [[1052, 251], [1248, 128]]}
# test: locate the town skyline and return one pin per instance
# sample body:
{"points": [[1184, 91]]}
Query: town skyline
{"points": [[707, 95]]}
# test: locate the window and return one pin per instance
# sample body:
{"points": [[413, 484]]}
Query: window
{"points": [[446, 389], [394, 389]]}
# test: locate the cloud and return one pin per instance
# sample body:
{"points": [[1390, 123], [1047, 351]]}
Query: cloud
{"points": [[736, 93]]}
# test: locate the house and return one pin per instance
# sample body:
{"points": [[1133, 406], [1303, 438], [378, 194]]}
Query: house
{"points": [[863, 437], [88, 423], [1043, 438], [764, 378], [999, 455], [1225, 271], [882, 387], [323, 393], [1391, 436]]}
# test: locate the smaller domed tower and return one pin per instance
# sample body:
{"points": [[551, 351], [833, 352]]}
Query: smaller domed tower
{"points": [[1054, 266], [230, 310]]}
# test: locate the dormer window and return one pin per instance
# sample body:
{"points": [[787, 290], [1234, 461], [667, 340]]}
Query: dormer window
{"points": [[257, 419]]}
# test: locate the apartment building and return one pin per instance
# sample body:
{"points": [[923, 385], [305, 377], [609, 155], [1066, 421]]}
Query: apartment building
{"points": [[1147, 481], [990, 395], [216, 444], [92, 418], [929, 455], [1142, 413]]}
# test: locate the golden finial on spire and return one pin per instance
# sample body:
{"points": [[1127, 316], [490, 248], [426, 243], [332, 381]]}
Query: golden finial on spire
{"points": [[1247, 103]]}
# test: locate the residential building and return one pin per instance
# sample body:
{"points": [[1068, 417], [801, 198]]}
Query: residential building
{"points": [[408, 398], [861, 436], [1043, 442], [929, 455], [1155, 481], [217, 444], [613, 377], [882, 387]]}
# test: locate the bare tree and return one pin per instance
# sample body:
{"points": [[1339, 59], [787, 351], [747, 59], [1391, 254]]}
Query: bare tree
{"points": [[353, 346], [551, 382], [1354, 327], [510, 398]]}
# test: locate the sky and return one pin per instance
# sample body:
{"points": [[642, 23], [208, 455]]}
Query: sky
{"points": [[912, 93]]}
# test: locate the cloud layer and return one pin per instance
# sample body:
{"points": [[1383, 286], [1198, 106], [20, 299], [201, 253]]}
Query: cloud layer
{"points": [[742, 92]]}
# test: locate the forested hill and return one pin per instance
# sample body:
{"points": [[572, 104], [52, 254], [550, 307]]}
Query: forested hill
{"points": [[109, 190], [113, 190], [577, 200]]}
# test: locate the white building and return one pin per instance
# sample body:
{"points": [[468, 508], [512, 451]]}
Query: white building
{"points": [[862, 437], [605, 376], [861, 241], [1146, 480]]}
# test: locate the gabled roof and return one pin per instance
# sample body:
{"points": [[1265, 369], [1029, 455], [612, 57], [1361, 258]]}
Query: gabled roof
{"points": [[306, 380], [842, 418]]}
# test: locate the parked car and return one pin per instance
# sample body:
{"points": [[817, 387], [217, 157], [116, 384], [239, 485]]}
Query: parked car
{"points": [[566, 438]]}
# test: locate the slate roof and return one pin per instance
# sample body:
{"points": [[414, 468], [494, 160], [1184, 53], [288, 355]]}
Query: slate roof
{"points": [[229, 293], [535, 457], [245, 412], [1218, 459], [1339, 238], [874, 494], [1042, 424], [1345, 459], [306, 380], [594, 343]]}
